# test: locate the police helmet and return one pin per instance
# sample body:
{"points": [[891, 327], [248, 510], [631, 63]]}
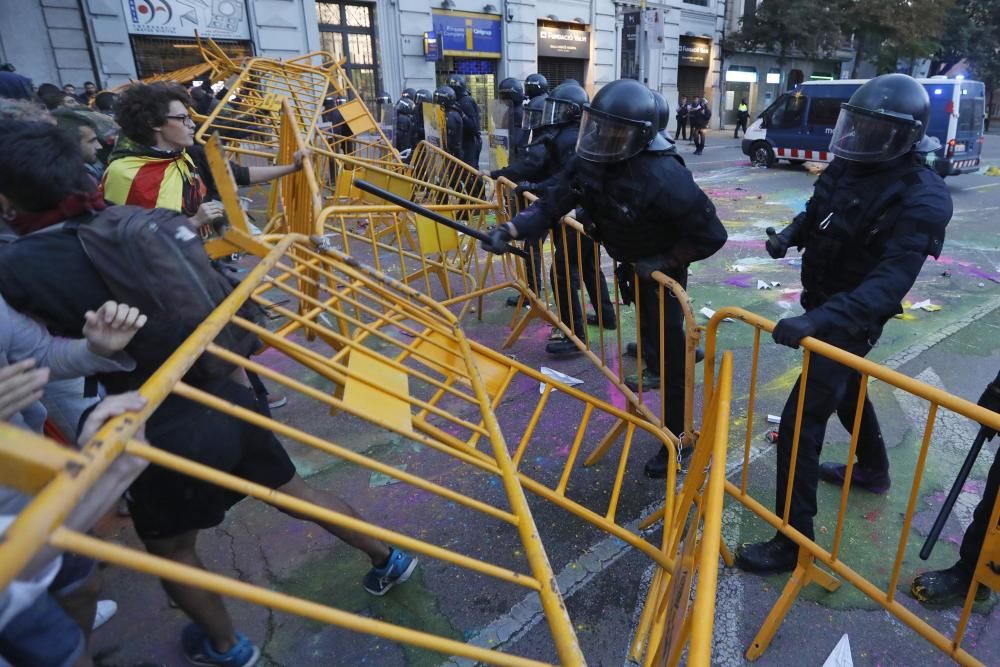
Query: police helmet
{"points": [[621, 122], [457, 83], [564, 104], [535, 85], [533, 112], [423, 95], [406, 106], [662, 111], [445, 96], [884, 119], [383, 99], [511, 90], [408, 94]]}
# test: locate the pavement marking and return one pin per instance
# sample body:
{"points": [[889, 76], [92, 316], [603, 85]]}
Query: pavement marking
{"points": [[727, 649], [982, 187]]}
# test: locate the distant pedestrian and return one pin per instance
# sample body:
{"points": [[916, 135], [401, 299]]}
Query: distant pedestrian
{"points": [[742, 116], [699, 116], [682, 118]]}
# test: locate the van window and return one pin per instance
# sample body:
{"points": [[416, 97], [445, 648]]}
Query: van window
{"points": [[824, 111], [789, 114], [970, 114]]}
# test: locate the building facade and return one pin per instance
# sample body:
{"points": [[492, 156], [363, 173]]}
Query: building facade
{"points": [[388, 45]]}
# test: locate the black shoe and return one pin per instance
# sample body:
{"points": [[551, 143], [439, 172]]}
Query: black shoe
{"points": [[862, 478], [778, 554], [609, 321], [945, 587], [656, 467], [632, 350], [561, 347], [512, 301], [650, 381]]}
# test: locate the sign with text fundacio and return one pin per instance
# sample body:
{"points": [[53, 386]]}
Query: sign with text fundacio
{"points": [[218, 19], [563, 42], [694, 51]]}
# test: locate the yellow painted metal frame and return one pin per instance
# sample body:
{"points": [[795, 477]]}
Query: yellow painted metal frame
{"points": [[811, 554], [451, 389]]}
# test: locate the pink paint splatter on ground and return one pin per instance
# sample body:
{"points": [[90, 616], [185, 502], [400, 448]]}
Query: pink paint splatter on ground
{"points": [[969, 268], [738, 281]]}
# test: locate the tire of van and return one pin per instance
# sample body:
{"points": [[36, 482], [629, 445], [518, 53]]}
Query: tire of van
{"points": [[762, 154]]}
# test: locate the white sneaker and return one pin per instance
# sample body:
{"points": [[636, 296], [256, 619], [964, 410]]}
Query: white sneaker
{"points": [[106, 609]]}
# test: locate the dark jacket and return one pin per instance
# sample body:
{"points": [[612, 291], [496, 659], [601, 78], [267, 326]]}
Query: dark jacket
{"points": [[646, 206], [454, 127]]}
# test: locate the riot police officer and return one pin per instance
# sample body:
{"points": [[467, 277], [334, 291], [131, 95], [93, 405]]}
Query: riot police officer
{"points": [[472, 140], [876, 213], [405, 112], [535, 85], [421, 96], [645, 209], [444, 97], [511, 93], [408, 94]]}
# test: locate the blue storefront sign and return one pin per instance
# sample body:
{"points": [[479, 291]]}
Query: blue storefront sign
{"points": [[432, 47], [468, 34]]}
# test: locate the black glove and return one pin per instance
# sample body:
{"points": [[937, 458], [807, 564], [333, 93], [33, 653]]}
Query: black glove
{"points": [[776, 244], [791, 330], [624, 272], [991, 401], [645, 266], [522, 187], [499, 237]]}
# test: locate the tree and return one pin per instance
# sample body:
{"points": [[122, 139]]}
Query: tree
{"points": [[786, 27], [972, 33], [887, 31]]}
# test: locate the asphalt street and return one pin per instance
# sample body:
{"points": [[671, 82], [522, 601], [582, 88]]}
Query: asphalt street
{"points": [[604, 582]]}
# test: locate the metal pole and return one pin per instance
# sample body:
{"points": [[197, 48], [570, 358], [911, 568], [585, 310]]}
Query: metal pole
{"points": [[640, 42]]}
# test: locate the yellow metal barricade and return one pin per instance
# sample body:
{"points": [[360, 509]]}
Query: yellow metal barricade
{"points": [[838, 555], [399, 361]]}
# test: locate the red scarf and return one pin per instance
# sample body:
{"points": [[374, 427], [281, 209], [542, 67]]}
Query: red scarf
{"points": [[74, 205]]}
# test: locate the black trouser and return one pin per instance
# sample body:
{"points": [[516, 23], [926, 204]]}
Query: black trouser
{"points": [[831, 387], [673, 344], [471, 148], [593, 279], [682, 128], [972, 541], [698, 135], [533, 265], [741, 124]]}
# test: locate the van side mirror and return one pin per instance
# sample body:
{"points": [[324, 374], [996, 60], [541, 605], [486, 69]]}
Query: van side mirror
{"points": [[765, 122]]}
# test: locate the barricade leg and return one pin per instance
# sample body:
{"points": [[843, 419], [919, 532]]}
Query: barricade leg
{"points": [[806, 572]]}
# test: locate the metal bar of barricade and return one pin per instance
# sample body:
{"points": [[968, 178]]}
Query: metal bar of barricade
{"points": [[810, 553]]}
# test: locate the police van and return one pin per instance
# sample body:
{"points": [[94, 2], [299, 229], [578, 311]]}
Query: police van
{"points": [[797, 127]]}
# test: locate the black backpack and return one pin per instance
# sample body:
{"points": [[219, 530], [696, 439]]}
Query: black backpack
{"points": [[153, 260]]}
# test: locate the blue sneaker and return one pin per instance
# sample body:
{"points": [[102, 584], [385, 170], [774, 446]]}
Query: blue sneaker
{"points": [[379, 580], [198, 650]]}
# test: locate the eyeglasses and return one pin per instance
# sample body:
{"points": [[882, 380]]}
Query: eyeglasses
{"points": [[185, 119]]}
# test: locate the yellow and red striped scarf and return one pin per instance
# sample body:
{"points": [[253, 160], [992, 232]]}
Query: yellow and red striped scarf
{"points": [[140, 176]]}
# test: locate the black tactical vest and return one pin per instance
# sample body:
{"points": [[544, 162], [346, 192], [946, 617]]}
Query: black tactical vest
{"points": [[627, 220], [846, 227]]}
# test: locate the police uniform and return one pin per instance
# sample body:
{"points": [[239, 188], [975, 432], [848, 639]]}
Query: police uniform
{"points": [[876, 214], [646, 210], [403, 136]]}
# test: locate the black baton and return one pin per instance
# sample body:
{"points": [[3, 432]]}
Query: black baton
{"points": [[432, 215]]}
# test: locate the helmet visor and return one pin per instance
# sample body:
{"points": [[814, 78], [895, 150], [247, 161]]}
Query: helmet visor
{"points": [[605, 138], [557, 111], [532, 119], [866, 136]]}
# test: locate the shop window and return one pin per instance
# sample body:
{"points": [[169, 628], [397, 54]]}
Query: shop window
{"points": [[480, 79], [156, 55]]}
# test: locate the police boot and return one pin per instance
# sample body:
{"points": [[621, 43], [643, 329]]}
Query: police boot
{"points": [[779, 554], [656, 467], [607, 319], [945, 587], [632, 350], [870, 480], [561, 346], [650, 380]]}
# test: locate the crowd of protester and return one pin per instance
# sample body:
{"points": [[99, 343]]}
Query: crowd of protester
{"points": [[72, 165]]}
